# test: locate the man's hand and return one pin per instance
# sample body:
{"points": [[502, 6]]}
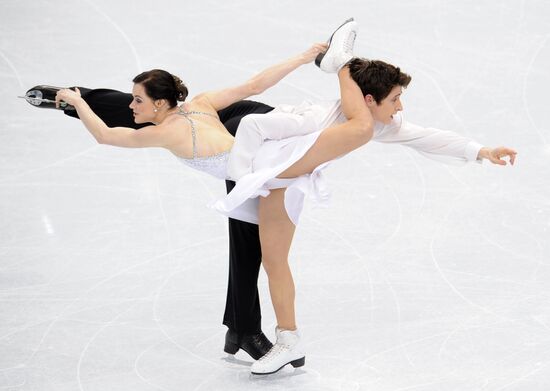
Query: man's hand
{"points": [[310, 54], [495, 155]]}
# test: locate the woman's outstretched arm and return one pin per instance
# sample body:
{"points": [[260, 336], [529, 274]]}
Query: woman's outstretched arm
{"points": [[261, 81], [149, 136]]}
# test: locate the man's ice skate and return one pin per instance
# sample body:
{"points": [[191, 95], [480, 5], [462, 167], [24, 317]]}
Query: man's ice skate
{"points": [[44, 97], [340, 48]]}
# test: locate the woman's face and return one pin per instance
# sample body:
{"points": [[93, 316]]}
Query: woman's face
{"points": [[388, 107], [142, 106]]}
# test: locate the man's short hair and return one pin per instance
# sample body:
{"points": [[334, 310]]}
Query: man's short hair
{"points": [[377, 78]]}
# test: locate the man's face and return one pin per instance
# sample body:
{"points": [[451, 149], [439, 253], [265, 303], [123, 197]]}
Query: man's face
{"points": [[388, 107]]}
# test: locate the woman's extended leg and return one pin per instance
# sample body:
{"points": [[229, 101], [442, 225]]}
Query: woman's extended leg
{"points": [[338, 140]]}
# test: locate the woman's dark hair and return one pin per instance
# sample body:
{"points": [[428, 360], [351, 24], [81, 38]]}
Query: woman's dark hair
{"points": [[377, 78], [160, 84]]}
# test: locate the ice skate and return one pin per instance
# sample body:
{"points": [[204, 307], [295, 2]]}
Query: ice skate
{"points": [[44, 97], [340, 48]]}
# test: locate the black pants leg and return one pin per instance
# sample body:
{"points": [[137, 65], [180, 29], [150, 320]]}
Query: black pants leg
{"points": [[110, 105], [242, 308]]}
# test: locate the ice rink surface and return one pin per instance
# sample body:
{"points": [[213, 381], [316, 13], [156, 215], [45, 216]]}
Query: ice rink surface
{"points": [[419, 276]]}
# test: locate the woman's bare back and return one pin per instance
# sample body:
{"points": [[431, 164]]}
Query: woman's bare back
{"points": [[211, 137]]}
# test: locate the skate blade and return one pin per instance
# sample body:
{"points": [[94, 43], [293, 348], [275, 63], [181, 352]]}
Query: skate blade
{"points": [[38, 101]]}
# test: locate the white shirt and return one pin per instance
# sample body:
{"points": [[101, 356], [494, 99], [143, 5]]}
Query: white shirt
{"points": [[441, 145]]}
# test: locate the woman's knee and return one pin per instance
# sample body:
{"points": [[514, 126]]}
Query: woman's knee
{"points": [[274, 265]]}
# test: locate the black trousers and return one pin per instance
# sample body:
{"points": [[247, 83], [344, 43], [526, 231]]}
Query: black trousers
{"points": [[242, 307]]}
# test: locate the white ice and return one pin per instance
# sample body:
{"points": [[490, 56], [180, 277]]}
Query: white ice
{"points": [[418, 277]]}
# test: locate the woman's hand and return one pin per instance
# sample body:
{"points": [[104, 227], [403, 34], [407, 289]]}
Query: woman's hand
{"points": [[68, 96], [312, 53]]}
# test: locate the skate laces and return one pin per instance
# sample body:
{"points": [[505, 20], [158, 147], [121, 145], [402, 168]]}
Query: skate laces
{"points": [[274, 351], [349, 42]]}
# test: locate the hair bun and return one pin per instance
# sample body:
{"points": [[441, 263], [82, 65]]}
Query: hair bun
{"points": [[181, 89], [160, 84]]}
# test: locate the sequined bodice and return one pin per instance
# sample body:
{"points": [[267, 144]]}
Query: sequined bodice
{"points": [[215, 165]]}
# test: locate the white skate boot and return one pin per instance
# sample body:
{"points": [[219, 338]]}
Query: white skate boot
{"points": [[287, 350], [340, 48]]}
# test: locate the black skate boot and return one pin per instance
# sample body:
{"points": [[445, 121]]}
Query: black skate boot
{"points": [[44, 97]]}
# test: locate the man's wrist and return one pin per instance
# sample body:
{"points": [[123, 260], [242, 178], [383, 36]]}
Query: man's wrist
{"points": [[484, 153]]}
